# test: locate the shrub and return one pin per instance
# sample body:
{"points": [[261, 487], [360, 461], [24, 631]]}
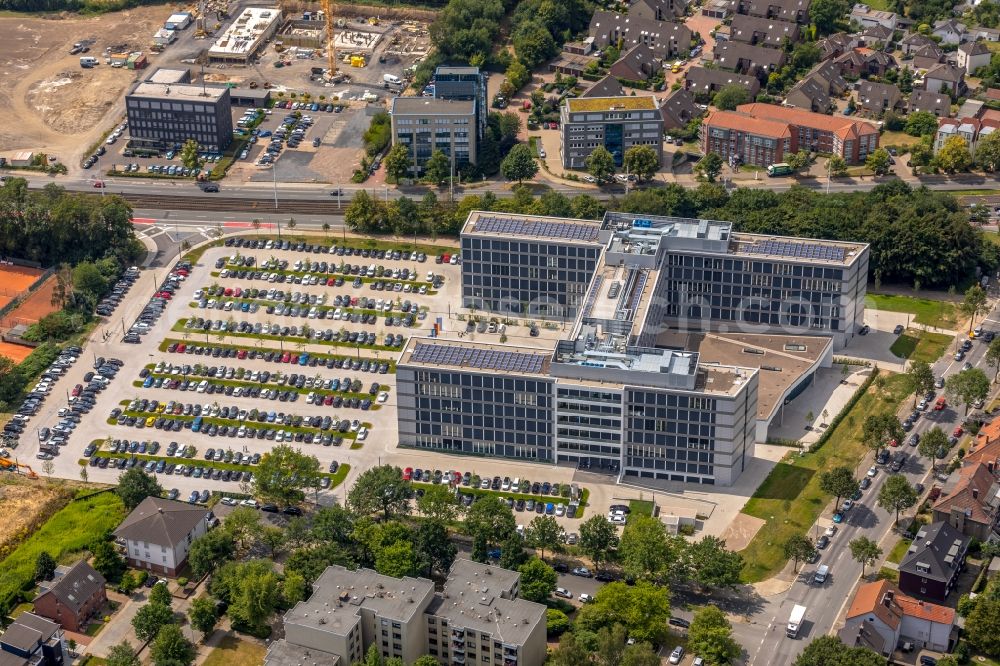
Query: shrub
{"points": [[182, 581]]}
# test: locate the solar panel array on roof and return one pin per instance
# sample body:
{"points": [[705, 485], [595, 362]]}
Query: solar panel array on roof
{"points": [[540, 229], [796, 250], [485, 359]]}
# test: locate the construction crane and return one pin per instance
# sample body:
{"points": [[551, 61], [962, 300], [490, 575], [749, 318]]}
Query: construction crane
{"points": [[331, 49]]}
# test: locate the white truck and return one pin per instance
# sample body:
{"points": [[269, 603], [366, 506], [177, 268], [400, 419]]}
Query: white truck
{"points": [[88, 61], [795, 621], [391, 79]]}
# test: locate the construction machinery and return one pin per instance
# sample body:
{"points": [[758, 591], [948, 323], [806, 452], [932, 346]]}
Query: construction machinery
{"points": [[16, 467]]}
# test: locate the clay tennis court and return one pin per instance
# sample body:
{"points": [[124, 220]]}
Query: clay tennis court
{"points": [[35, 306], [14, 280]]}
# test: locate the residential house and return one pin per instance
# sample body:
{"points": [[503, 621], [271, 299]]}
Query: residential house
{"points": [[932, 102], [811, 93], [915, 41], [927, 57], [763, 32], [571, 64], [665, 38], [882, 618], [868, 17], [582, 47], [764, 134], [829, 73], [985, 34], [972, 506], [32, 640], [605, 87], [796, 11], [950, 31], [865, 62], [934, 561], [837, 44], [876, 36], [158, 534], [875, 99], [746, 59], [658, 10], [636, 64], [74, 595], [986, 447], [971, 56], [679, 108], [477, 618], [945, 78], [704, 82]]}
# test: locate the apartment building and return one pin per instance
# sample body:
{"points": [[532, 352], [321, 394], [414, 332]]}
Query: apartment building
{"points": [[164, 116], [426, 124], [972, 130], [476, 618], [528, 265], [762, 134], [667, 38], [614, 123]]}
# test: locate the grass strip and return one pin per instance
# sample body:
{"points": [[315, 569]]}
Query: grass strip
{"points": [[180, 328], [165, 344]]}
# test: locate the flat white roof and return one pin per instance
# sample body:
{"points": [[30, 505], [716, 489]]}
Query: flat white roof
{"points": [[178, 91], [244, 33]]}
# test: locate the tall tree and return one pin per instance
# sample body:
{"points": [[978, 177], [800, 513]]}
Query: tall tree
{"points": [[831, 651], [45, 566], [879, 429], [988, 152], [731, 96], [490, 521], [538, 580], [954, 155], [993, 356], [122, 654], [135, 485], [107, 561], [826, 13], [544, 533], [204, 615], [149, 619], [189, 154], [643, 609], [171, 648], [974, 304], [839, 482], [210, 551], [920, 377], [865, 551], [380, 490], [932, 443], [519, 164], [434, 546], [365, 213], [967, 387], [283, 473], [896, 495], [709, 167], [439, 503], [879, 162], [982, 626], [601, 165], [397, 161], [799, 548], [598, 539], [711, 564], [646, 550], [641, 161], [710, 636]]}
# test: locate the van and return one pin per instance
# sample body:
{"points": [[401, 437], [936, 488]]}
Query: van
{"points": [[821, 573], [88, 61]]}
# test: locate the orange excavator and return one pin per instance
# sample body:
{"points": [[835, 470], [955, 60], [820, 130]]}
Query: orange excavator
{"points": [[16, 467]]}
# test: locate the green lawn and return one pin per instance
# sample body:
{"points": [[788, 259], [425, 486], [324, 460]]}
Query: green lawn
{"points": [[898, 139], [70, 530], [889, 574], [898, 551], [917, 345], [941, 314], [191, 341], [789, 500], [640, 508], [232, 650]]}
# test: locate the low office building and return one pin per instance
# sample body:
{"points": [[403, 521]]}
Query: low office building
{"points": [[164, 116], [245, 36], [476, 618], [159, 532], [614, 123], [426, 124]]}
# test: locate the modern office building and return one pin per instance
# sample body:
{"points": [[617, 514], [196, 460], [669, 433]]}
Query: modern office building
{"points": [[614, 123], [426, 124], [245, 36], [529, 265], [164, 116], [463, 83], [627, 389], [476, 618]]}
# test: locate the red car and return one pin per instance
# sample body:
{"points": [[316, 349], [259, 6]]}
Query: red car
{"points": [[98, 184], [958, 431], [228, 291], [893, 443], [294, 359], [77, 389], [181, 347], [285, 357], [241, 353], [328, 400], [331, 281], [407, 474], [940, 404]]}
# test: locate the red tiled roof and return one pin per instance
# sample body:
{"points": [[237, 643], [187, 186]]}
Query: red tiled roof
{"points": [[993, 93], [989, 433], [842, 127], [871, 598], [744, 122], [970, 494]]}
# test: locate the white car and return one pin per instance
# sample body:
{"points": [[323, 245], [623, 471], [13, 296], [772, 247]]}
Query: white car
{"points": [[362, 434], [382, 397], [831, 530], [616, 520], [586, 598], [872, 471], [564, 593], [228, 501]]}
